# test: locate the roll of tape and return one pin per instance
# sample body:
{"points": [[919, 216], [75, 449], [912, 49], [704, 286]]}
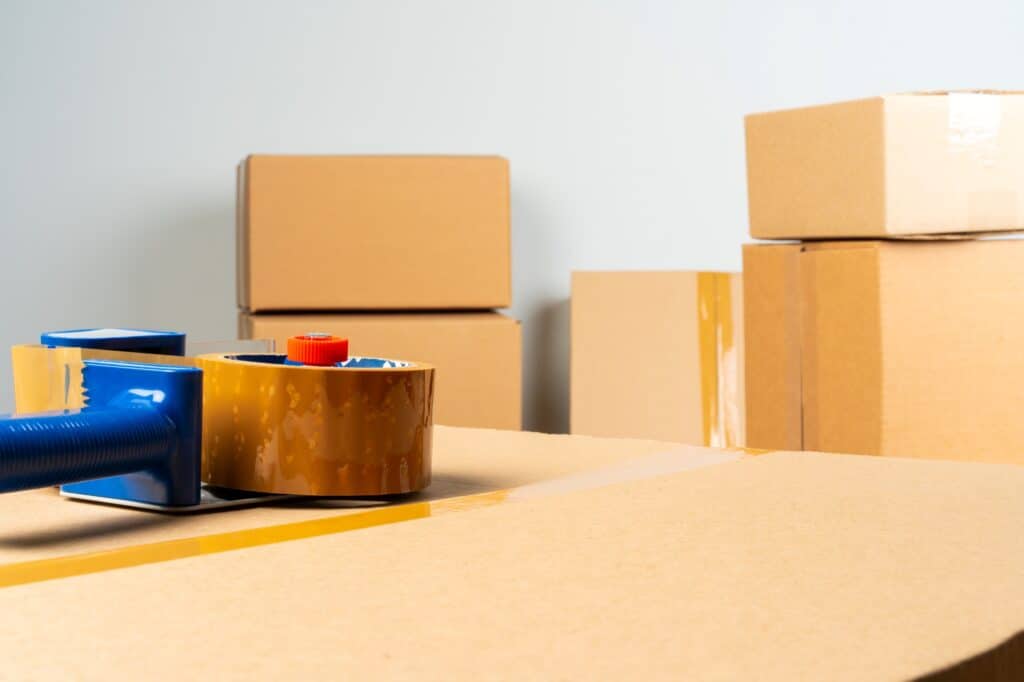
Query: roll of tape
{"points": [[363, 428]]}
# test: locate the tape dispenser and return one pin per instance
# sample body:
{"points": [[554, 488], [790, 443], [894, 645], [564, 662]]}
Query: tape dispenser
{"points": [[135, 422]]}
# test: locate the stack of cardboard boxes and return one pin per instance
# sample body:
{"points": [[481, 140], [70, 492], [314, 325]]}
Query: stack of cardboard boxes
{"points": [[407, 256], [891, 327]]}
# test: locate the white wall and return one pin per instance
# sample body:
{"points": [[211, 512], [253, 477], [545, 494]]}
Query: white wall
{"points": [[121, 122]]}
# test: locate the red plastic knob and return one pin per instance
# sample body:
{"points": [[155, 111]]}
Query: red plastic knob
{"points": [[321, 350]]}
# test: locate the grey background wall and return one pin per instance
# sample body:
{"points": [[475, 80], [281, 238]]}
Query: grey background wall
{"points": [[121, 123]]}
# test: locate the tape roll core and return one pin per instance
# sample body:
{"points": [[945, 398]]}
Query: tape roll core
{"points": [[360, 430]]}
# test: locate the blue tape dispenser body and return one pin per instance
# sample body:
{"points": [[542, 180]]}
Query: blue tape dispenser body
{"points": [[130, 340], [137, 439], [136, 443]]}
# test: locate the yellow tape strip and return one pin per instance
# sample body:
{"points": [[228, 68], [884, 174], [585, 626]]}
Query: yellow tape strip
{"points": [[48, 379], [717, 343], [727, 372], [707, 331], [169, 550]]}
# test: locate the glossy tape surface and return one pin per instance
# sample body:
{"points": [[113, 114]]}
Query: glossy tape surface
{"points": [[289, 429], [717, 343]]}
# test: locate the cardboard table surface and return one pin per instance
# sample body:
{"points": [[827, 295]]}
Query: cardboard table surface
{"points": [[466, 461], [784, 566]]}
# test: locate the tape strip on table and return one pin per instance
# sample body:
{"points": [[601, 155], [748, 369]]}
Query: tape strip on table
{"points": [[659, 464]]}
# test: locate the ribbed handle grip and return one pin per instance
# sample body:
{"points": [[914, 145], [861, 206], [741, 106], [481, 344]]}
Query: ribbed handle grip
{"points": [[45, 450]]}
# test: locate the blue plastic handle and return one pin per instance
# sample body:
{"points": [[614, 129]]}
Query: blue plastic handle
{"points": [[47, 450], [137, 439]]}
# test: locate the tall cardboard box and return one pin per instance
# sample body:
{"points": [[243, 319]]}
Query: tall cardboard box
{"points": [[897, 165], [658, 355], [912, 349], [373, 233], [478, 355]]}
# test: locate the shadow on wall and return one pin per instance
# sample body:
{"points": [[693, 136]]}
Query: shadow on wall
{"points": [[540, 289], [546, 397]]}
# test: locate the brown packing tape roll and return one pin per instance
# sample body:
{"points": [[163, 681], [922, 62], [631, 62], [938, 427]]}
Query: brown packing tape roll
{"points": [[288, 429]]}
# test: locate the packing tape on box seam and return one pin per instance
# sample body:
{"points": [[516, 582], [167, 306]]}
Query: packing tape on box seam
{"points": [[974, 124], [974, 120], [727, 373], [659, 464], [718, 360]]}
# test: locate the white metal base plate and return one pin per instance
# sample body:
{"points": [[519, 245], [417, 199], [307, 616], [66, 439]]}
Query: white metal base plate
{"points": [[210, 499]]}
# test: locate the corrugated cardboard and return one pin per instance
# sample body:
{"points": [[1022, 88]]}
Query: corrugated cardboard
{"points": [[50, 527], [778, 567], [478, 356], [890, 348], [909, 164], [658, 355], [373, 232]]}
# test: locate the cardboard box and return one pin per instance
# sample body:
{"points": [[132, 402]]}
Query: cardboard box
{"points": [[634, 559], [478, 356], [373, 232], [658, 355], [911, 164], [886, 348]]}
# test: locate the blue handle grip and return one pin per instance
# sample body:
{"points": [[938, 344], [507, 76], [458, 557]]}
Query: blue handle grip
{"points": [[51, 449], [137, 439]]}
